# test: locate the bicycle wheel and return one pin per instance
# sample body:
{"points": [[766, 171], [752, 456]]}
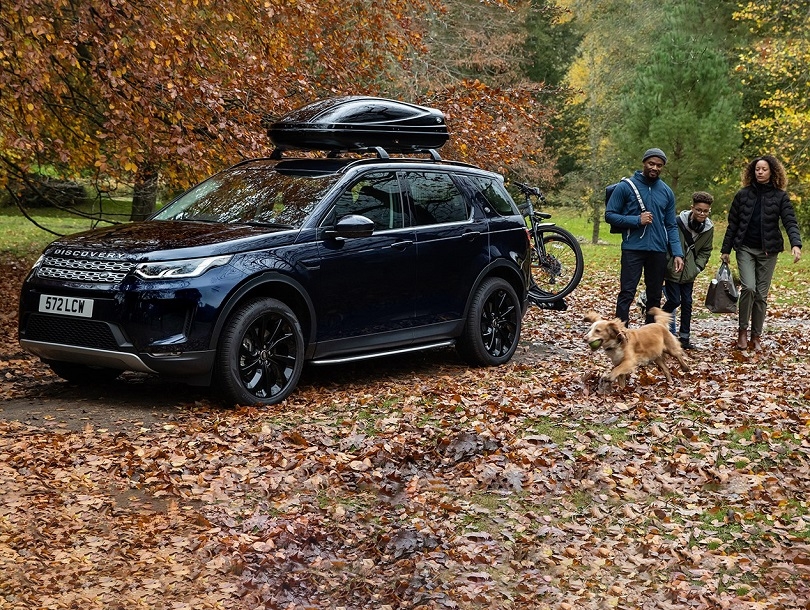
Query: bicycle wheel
{"points": [[557, 264]]}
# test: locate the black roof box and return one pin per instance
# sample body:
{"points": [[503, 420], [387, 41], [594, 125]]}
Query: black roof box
{"points": [[358, 123]]}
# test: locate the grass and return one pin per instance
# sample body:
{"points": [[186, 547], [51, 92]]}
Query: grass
{"points": [[21, 239], [549, 427]]}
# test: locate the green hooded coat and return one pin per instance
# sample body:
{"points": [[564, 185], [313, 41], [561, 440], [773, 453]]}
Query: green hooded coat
{"points": [[696, 257]]}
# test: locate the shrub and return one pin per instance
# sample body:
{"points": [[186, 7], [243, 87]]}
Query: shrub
{"points": [[42, 191]]}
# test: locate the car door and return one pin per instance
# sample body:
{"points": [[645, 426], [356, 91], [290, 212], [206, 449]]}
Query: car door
{"points": [[366, 286], [451, 249]]}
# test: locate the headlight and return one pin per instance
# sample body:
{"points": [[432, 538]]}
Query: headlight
{"points": [[192, 267], [36, 265]]}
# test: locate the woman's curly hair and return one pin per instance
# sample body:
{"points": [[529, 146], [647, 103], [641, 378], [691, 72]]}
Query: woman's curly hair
{"points": [[778, 175]]}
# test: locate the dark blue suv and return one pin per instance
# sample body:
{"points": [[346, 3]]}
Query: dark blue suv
{"points": [[278, 262]]}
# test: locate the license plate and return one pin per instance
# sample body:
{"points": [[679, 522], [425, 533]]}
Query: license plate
{"points": [[67, 306]]}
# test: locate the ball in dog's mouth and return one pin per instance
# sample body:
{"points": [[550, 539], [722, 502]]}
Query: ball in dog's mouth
{"points": [[595, 344]]}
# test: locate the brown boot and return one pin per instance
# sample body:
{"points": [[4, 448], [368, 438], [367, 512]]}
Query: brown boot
{"points": [[742, 339], [756, 343]]}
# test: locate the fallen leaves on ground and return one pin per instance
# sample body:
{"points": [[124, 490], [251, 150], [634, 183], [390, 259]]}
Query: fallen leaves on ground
{"points": [[422, 483]]}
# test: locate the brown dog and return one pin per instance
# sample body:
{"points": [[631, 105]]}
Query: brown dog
{"points": [[629, 348]]}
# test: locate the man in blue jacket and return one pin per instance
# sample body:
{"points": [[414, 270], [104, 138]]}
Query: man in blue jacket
{"points": [[649, 232]]}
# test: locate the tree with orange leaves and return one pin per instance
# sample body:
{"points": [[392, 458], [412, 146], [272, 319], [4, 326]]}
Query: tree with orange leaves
{"points": [[125, 91]]}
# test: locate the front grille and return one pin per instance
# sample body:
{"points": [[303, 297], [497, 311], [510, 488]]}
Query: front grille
{"points": [[67, 331], [84, 270]]}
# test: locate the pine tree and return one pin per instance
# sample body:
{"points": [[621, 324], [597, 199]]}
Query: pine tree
{"points": [[682, 100]]}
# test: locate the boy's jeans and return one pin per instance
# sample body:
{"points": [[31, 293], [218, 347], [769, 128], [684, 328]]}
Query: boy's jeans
{"points": [[679, 295]]}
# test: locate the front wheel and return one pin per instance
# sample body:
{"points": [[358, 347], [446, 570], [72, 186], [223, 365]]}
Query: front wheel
{"points": [[492, 328], [261, 353], [557, 265]]}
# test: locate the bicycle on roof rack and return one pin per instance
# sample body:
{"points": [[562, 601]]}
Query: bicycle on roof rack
{"points": [[557, 262]]}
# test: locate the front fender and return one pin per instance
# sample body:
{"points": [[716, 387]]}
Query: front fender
{"points": [[276, 285]]}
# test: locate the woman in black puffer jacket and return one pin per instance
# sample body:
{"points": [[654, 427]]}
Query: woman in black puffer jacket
{"points": [[753, 232]]}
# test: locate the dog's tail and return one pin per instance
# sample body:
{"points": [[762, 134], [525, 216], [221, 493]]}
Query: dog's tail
{"points": [[660, 316], [591, 316]]}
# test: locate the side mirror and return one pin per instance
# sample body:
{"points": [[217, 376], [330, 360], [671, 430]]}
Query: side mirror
{"points": [[351, 226]]}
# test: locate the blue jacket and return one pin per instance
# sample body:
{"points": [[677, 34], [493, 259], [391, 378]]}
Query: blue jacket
{"points": [[623, 211]]}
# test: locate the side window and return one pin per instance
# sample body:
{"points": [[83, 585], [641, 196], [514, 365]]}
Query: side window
{"points": [[435, 199], [375, 196], [494, 194]]}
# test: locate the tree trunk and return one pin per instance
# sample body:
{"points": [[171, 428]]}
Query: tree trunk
{"points": [[597, 211], [144, 196]]}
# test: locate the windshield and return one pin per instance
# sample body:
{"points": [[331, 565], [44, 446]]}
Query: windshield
{"points": [[251, 194]]}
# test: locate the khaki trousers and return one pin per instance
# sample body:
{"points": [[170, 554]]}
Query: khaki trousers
{"points": [[756, 272]]}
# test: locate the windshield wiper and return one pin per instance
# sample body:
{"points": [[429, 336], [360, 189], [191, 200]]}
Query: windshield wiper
{"points": [[264, 223], [199, 219]]}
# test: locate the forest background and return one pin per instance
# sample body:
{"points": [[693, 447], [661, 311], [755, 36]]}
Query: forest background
{"points": [[144, 99]]}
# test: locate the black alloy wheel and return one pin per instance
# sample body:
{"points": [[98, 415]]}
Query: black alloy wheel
{"points": [[261, 353], [493, 324]]}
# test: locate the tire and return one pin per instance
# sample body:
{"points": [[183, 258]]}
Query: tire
{"points": [[260, 354], [492, 329], [557, 265], [82, 374]]}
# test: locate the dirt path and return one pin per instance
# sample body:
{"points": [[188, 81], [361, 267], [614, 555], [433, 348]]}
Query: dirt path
{"points": [[132, 401]]}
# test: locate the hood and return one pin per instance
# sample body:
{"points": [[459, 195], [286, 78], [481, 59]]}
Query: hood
{"points": [[684, 216], [191, 239]]}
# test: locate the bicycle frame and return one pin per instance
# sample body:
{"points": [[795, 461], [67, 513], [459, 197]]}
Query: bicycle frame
{"points": [[557, 275]]}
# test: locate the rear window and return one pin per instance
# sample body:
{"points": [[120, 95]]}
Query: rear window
{"points": [[495, 195]]}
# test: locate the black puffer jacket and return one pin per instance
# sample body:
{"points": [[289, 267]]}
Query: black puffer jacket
{"points": [[775, 206]]}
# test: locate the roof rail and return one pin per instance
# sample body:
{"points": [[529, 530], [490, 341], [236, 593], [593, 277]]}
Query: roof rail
{"points": [[278, 153]]}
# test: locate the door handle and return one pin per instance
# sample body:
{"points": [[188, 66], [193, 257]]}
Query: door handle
{"points": [[401, 245], [472, 235]]}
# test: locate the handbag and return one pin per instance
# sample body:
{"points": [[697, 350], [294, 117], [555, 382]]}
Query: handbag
{"points": [[722, 294]]}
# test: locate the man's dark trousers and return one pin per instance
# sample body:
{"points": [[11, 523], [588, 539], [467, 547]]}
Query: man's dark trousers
{"points": [[654, 267]]}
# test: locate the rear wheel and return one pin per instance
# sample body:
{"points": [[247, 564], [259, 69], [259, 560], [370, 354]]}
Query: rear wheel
{"points": [[82, 374], [261, 353], [557, 265], [492, 329]]}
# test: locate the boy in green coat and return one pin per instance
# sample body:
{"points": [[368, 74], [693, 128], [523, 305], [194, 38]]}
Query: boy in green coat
{"points": [[697, 234]]}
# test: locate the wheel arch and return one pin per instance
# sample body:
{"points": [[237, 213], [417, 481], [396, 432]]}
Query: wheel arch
{"points": [[277, 286], [506, 272]]}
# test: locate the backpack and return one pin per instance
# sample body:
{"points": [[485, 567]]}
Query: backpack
{"points": [[609, 191]]}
